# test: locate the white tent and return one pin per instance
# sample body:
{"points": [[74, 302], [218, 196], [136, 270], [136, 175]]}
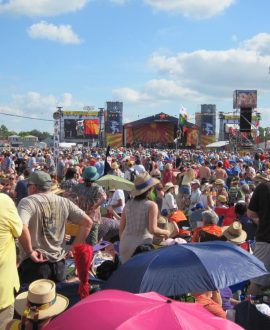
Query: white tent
{"points": [[67, 144], [217, 144]]}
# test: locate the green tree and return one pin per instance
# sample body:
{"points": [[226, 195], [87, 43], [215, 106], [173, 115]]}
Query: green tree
{"points": [[4, 133]]}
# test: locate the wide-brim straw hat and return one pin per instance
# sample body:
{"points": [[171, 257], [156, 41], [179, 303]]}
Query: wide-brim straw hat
{"points": [[142, 183], [168, 186], [205, 187], [261, 177], [234, 233], [40, 301], [219, 181]]}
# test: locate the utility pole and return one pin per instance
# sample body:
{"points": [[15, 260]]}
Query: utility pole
{"points": [[59, 110]]}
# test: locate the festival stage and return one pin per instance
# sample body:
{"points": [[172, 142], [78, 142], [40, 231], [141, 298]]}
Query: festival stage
{"points": [[158, 130]]}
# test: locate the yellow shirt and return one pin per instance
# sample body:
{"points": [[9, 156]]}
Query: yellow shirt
{"points": [[10, 228]]}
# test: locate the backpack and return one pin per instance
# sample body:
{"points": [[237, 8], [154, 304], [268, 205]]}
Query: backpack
{"points": [[132, 175]]}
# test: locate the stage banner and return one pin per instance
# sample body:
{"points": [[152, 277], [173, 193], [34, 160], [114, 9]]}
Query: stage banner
{"points": [[56, 134], [114, 124], [208, 119], [192, 137]]}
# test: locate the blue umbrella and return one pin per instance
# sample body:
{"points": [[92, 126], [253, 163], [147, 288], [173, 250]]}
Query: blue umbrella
{"points": [[180, 269]]}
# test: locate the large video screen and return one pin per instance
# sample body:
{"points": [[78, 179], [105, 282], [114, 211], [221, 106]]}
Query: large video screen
{"points": [[244, 99], [78, 129]]}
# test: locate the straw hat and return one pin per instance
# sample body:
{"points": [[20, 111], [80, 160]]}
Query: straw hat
{"points": [[163, 223], [219, 181], [114, 166], [142, 183], [205, 187], [56, 189], [168, 166], [261, 177], [234, 233], [41, 301], [222, 198], [168, 186]]}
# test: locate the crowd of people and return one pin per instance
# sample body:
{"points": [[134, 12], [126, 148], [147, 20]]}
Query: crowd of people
{"points": [[177, 197]]}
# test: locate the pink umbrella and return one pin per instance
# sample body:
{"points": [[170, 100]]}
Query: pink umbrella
{"points": [[113, 309]]}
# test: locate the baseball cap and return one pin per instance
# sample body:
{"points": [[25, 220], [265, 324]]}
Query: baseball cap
{"points": [[40, 178], [198, 206]]}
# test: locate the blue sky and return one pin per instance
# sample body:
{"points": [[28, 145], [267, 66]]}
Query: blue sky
{"points": [[153, 55]]}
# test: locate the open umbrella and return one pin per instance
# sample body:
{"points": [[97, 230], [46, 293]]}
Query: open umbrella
{"points": [[112, 309], [180, 269], [115, 182]]}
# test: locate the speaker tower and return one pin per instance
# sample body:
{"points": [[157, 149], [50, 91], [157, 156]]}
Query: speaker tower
{"points": [[245, 119]]}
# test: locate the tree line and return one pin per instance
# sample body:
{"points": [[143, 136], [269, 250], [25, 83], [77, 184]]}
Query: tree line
{"points": [[5, 133]]}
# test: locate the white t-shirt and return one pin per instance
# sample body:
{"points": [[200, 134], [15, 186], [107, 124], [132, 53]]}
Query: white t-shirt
{"points": [[168, 202], [139, 168], [118, 194]]}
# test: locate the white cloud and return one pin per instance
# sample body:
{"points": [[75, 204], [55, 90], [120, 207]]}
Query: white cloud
{"points": [[156, 91], [41, 7], [62, 33], [199, 9], [35, 105], [259, 43], [131, 95], [189, 8], [205, 75]]}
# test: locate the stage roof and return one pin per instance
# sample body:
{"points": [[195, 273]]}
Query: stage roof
{"points": [[159, 118]]}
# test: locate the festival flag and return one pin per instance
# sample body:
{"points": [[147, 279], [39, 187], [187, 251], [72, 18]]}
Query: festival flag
{"points": [[232, 131], [244, 135], [182, 116]]}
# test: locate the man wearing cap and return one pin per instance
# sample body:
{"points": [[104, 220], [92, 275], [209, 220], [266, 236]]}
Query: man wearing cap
{"points": [[42, 243], [195, 193]]}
